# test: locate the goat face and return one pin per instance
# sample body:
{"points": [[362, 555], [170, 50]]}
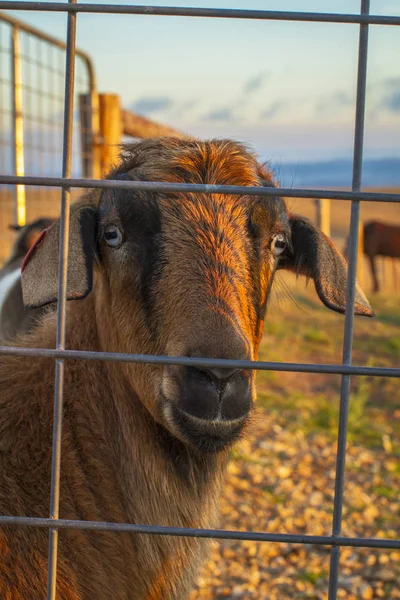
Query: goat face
{"points": [[194, 272], [188, 275]]}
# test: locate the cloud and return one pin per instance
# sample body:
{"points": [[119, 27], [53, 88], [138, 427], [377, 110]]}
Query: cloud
{"points": [[173, 109], [255, 83], [221, 114], [333, 103], [392, 102], [188, 105], [393, 82], [151, 104], [229, 113], [391, 98], [273, 109]]}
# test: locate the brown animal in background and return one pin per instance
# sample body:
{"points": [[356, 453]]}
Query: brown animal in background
{"points": [[13, 316], [156, 273], [380, 239]]}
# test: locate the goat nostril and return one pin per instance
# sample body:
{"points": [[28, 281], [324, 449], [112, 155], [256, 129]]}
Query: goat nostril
{"points": [[221, 374], [218, 376]]}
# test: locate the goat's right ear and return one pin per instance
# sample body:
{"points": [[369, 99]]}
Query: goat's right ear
{"points": [[39, 271]]}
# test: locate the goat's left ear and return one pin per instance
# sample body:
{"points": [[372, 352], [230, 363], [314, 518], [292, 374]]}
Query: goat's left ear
{"points": [[39, 271], [313, 254]]}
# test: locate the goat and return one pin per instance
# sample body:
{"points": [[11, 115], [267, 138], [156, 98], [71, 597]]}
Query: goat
{"points": [[151, 273], [13, 316], [380, 239]]}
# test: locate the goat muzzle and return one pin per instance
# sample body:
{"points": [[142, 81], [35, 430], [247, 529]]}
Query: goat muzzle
{"points": [[207, 407]]}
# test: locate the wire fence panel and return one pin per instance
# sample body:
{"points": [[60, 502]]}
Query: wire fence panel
{"points": [[32, 75], [67, 180]]}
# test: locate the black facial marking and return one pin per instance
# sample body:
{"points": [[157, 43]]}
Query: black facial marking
{"points": [[140, 219], [273, 210], [88, 225]]}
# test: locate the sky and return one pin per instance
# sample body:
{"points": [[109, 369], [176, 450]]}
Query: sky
{"points": [[287, 89]]}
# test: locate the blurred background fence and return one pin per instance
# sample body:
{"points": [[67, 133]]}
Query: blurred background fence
{"points": [[32, 74]]}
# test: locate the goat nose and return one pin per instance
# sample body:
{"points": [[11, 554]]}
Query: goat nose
{"points": [[220, 373], [215, 393]]}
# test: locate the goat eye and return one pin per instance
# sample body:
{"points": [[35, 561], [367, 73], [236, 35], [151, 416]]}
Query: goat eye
{"points": [[113, 236], [278, 244]]}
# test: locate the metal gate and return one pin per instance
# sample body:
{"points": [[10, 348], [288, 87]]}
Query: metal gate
{"points": [[32, 72], [66, 182]]}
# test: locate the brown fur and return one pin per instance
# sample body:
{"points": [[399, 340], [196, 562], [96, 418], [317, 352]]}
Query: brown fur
{"points": [[111, 471], [124, 459]]}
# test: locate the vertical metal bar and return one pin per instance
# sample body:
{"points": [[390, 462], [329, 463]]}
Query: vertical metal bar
{"points": [[17, 126], [61, 307], [350, 296]]}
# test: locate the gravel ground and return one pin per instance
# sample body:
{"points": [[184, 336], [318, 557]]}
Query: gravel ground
{"points": [[283, 481]]}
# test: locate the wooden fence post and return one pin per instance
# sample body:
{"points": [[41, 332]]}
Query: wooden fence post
{"points": [[17, 127], [110, 130], [361, 258], [141, 127], [395, 273], [323, 207]]}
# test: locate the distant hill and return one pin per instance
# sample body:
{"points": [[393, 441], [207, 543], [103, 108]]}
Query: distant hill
{"points": [[379, 173]]}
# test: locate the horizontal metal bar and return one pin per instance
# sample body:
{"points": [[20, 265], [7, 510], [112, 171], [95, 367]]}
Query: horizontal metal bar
{"points": [[201, 362], [50, 39], [320, 540], [156, 186], [219, 13]]}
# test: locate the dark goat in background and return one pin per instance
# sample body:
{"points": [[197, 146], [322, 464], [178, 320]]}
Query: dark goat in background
{"points": [[14, 317], [380, 239]]}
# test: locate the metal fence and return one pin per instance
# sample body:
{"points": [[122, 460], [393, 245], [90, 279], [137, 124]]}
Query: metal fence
{"points": [[336, 540], [32, 73]]}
